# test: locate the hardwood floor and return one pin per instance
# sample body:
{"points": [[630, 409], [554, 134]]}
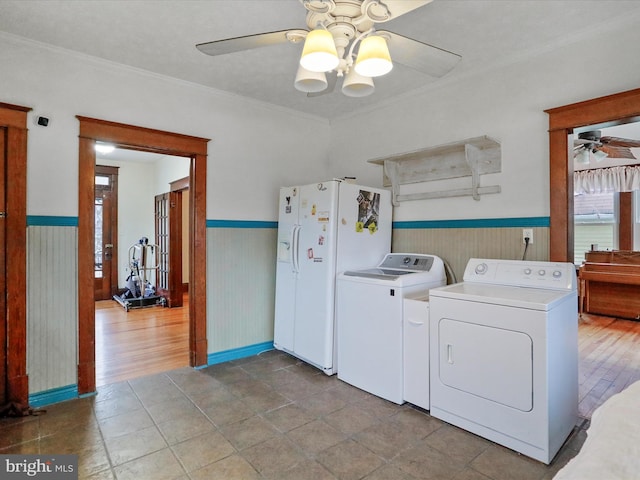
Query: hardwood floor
{"points": [[151, 340], [609, 351], [142, 341]]}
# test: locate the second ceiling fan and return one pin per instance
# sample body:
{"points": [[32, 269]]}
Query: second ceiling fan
{"points": [[592, 143]]}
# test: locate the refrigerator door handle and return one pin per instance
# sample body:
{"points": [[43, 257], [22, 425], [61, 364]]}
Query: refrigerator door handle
{"points": [[296, 248]]}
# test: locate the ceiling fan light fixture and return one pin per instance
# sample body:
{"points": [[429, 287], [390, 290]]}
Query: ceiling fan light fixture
{"points": [[319, 53], [373, 58], [355, 85], [582, 156], [599, 155], [310, 82]]}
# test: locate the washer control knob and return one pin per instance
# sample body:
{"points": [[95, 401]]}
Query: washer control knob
{"points": [[406, 260], [481, 268], [557, 274], [527, 271], [541, 272]]}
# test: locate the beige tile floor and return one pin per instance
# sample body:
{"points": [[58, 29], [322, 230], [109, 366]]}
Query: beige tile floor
{"points": [[264, 417]]}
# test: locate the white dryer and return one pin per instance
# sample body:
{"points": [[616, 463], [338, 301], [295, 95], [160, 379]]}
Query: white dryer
{"points": [[504, 354], [369, 316]]}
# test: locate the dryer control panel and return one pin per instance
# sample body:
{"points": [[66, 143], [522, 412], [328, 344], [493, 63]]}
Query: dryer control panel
{"points": [[552, 275], [413, 262]]}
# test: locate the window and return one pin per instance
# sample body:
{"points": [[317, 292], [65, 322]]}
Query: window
{"points": [[595, 223]]}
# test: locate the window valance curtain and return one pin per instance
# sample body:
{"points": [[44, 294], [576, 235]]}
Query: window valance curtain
{"points": [[604, 180]]}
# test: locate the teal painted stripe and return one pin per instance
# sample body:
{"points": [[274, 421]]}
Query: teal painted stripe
{"points": [[475, 223], [51, 221], [54, 395], [236, 353], [241, 224]]}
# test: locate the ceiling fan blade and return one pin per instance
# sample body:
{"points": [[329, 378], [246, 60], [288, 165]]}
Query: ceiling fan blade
{"points": [[423, 57], [385, 10], [237, 44], [617, 152], [620, 142], [331, 85]]}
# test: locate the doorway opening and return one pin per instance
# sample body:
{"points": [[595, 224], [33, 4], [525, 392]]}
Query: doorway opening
{"points": [[154, 141], [606, 189], [563, 122], [138, 264]]}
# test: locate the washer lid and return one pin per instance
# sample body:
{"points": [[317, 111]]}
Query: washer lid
{"points": [[520, 297], [379, 273]]}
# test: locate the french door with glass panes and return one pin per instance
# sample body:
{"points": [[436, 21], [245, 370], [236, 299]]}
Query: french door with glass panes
{"points": [[106, 233], [168, 213]]}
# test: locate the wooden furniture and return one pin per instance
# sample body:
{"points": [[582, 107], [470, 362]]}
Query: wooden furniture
{"points": [[610, 283]]}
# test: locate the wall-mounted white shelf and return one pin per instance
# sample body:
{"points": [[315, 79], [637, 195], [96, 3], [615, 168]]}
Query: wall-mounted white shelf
{"points": [[468, 158]]}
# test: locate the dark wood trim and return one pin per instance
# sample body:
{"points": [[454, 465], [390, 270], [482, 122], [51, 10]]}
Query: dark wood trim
{"points": [[180, 184], [610, 108], [599, 112], [175, 246], [197, 261], [14, 119], [86, 228], [561, 199], [145, 139], [141, 138], [107, 170], [625, 225], [13, 115]]}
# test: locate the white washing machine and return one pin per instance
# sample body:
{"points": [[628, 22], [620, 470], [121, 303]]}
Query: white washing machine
{"points": [[369, 316], [504, 353]]}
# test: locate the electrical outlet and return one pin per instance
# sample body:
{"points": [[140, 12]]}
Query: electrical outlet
{"points": [[527, 233]]}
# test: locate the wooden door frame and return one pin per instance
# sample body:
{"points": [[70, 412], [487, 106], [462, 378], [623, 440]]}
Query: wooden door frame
{"points": [[14, 119], [599, 113], [112, 173], [156, 141], [181, 187]]}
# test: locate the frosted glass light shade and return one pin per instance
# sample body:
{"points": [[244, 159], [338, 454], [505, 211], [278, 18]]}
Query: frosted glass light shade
{"points": [[355, 85], [599, 155], [310, 82], [319, 53], [373, 57], [582, 156]]}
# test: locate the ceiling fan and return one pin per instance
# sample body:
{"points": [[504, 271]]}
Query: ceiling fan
{"points": [[341, 39], [593, 143]]}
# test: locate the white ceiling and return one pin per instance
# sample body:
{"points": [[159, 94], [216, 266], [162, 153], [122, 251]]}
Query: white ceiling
{"points": [[127, 155], [160, 36]]}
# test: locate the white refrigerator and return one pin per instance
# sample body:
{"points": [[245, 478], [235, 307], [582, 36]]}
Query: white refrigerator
{"points": [[323, 229]]}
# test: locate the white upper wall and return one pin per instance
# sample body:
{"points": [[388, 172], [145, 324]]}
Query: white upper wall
{"points": [[506, 104], [168, 169], [254, 149]]}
